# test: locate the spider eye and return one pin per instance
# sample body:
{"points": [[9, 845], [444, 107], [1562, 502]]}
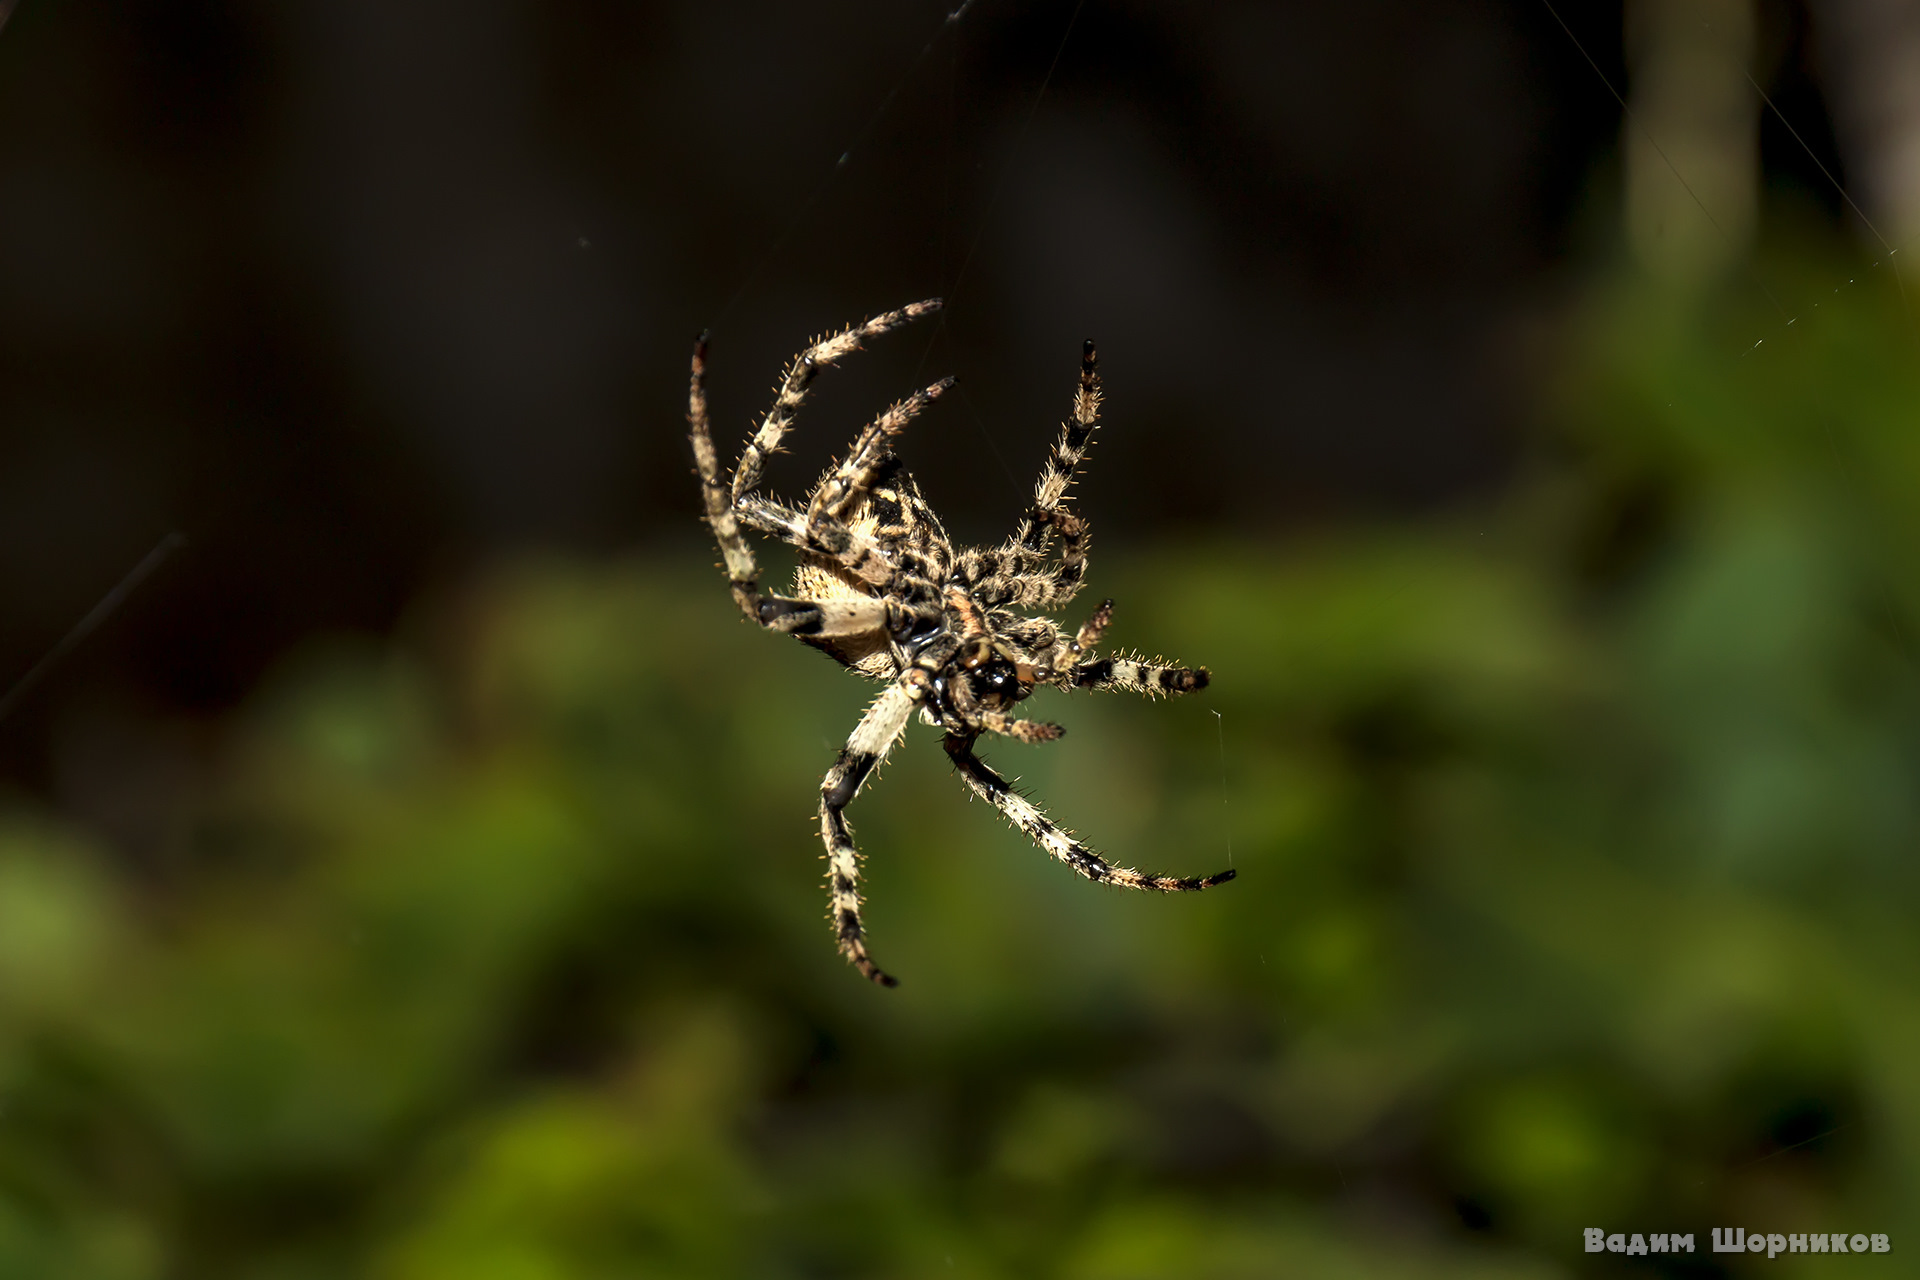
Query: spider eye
{"points": [[994, 681]]}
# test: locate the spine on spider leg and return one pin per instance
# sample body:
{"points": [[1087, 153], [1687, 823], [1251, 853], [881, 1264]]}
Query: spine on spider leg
{"points": [[742, 574]]}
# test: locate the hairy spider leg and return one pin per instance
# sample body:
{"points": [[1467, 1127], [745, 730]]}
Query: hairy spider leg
{"points": [[824, 532], [800, 374], [826, 537], [1134, 676], [1065, 662], [1040, 586], [743, 575], [848, 483], [868, 745], [1062, 582], [1017, 573], [1076, 435], [848, 492], [972, 625], [1094, 627], [902, 552], [1053, 838], [1028, 731], [907, 530], [776, 613], [1060, 653]]}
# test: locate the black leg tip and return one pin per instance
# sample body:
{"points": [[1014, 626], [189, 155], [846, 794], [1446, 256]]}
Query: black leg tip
{"points": [[1222, 878]]}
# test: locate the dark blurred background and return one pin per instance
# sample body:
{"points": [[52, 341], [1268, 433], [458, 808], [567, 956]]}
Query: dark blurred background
{"points": [[1445, 417], [356, 296]]}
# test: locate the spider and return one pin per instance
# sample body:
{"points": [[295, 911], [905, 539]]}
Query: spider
{"points": [[881, 589]]}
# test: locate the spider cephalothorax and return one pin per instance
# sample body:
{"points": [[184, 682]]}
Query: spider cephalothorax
{"points": [[881, 589]]}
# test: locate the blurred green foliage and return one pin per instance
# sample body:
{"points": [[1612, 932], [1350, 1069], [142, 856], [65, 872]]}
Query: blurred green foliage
{"points": [[1576, 834]]}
